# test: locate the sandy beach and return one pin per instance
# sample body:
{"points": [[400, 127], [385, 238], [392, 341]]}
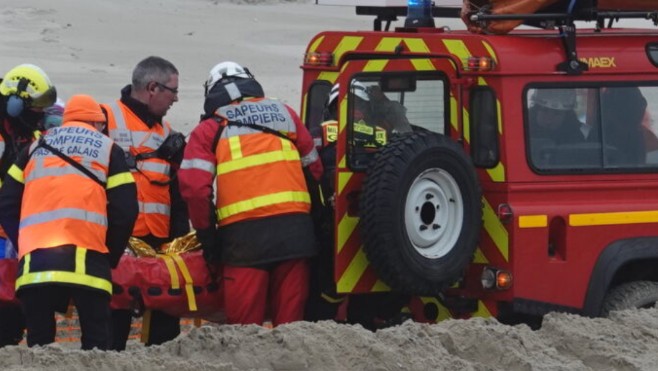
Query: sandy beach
{"points": [[626, 341], [91, 47]]}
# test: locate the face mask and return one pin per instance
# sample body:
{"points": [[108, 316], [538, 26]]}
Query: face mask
{"points": [[15, 106]]}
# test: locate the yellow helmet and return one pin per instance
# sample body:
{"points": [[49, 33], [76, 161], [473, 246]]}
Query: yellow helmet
{"points": [[27, 85]]}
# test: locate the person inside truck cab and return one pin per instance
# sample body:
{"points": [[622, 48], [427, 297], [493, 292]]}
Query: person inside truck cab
{"points": [[374, 117], [557, 136], [552, 116], [622, 112], [389, 114], [365, 135]]}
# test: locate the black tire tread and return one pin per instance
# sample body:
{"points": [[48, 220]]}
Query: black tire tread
{"points": [[635, 294]]}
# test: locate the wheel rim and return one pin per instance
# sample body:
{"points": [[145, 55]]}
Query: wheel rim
{"points": [[434, 212]]}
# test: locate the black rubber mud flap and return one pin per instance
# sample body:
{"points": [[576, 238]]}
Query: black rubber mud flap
{"points": [[421, 213]]}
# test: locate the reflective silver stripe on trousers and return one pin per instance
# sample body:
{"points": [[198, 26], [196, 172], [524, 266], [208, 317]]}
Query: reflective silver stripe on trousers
{"points": [[153, 208], [198, 164], [70, 213]]}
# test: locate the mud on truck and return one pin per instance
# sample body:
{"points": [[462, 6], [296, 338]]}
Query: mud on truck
{"points": [[475, 174]]}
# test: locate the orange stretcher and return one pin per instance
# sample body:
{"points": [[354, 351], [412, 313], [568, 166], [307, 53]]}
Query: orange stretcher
{"points": [[175, 280], [506, 7], [179, 285]]}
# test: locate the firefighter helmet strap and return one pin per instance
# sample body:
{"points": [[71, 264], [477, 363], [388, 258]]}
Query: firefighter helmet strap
{"points": [[16, 103]]}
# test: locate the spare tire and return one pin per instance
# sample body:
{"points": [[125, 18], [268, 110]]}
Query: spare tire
{"points": [[421, 213]]}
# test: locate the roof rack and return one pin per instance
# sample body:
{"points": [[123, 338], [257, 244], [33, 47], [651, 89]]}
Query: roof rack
{"points": [[388, 14], [544, 20], [565, 23]]}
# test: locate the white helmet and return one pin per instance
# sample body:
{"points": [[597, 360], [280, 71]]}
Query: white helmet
{"points": [[358, 88], [555, 99], [224, 70]]}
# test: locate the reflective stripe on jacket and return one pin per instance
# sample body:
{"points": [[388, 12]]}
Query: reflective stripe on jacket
{"points": [[78, 216], [68, 265], [258, 174], [152, 175]]}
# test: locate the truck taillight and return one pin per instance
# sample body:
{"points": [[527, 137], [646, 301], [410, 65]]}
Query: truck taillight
{"points": [[479, 64], [505, 213], [493, 278], [319, 59]]}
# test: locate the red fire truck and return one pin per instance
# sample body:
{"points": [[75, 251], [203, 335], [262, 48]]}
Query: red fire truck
{"points": [[490, 175]]}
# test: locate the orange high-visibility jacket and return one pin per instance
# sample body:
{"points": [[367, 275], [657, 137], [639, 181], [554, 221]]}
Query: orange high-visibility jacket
{"points": [[51, 217], [259, 174], [152, 175]]}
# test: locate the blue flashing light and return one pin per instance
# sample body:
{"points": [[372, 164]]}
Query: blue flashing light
{"points": [[419, 14]]}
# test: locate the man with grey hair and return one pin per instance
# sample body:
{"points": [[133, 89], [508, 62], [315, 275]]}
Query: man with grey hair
{"points": [[154, 153]]}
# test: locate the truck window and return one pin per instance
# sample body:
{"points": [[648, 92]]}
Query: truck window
{"points": [[380, 110], [317, 98], [483, 113], [593, 129]]}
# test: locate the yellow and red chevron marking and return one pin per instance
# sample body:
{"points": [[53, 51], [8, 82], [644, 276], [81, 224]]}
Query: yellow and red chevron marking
{"points": [[352, 270], [460, 45]]}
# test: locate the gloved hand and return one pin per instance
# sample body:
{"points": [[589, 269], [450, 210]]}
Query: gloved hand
{"points": [[209, 244]]}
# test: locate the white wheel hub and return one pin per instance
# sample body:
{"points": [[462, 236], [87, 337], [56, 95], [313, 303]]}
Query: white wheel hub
{"points": [[434, 213]]}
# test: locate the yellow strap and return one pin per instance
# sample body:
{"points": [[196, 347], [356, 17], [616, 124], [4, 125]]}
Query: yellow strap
{"points": [[146, 326], [175, 284], [189, 284], [331, 299]]}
